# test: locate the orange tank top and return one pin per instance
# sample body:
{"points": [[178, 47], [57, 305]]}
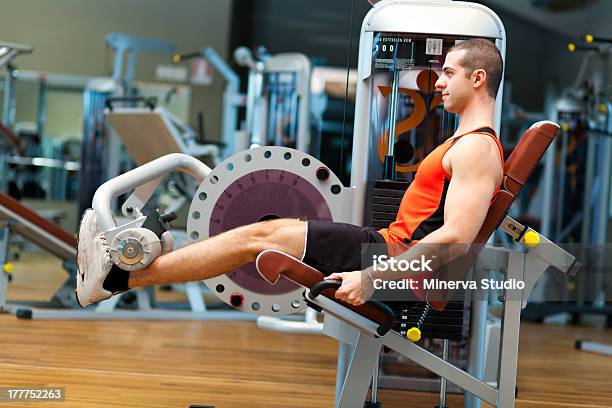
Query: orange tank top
{"points": [[422, 207]]}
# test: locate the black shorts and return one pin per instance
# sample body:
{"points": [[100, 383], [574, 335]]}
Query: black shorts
{"points": [[338, 247]]}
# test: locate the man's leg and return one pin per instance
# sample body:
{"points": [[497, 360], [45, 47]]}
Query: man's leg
{"points": [[99, 278], [222, 253]]}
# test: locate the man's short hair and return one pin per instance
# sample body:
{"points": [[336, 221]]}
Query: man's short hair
{"points": [[482, 54]]}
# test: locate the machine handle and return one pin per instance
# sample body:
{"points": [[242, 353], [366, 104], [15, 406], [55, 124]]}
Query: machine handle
{"points": [[319, 287], [382, 328], [150, 102]]}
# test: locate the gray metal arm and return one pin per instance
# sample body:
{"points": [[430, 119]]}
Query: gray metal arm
{"points": [[141, 175]]}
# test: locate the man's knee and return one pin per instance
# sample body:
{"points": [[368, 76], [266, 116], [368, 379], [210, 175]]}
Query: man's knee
{"points": [[281, 234]]}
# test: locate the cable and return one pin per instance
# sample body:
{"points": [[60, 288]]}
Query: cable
{"points": [[348, 71]]}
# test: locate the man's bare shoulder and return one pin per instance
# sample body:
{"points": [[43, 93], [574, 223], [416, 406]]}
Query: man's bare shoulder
{"points": [[474, 145], [476, 139], [476, 152]]}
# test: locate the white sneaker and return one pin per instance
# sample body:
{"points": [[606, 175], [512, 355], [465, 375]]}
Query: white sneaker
{"points": [[94, 261]]}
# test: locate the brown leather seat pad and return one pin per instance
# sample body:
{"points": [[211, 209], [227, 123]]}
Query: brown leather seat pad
{"points": [[272, 264]]}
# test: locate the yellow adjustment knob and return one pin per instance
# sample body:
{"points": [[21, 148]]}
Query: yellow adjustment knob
{"points": [[531, 239], [8, 267], [571, 47], [176, 58], [414, 334], [588, 38]]}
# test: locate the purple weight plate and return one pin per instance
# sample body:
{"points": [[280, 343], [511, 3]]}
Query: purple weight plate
{"points": [[264, 195]]}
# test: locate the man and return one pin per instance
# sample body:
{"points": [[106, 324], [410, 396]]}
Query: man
{"points": [[446, 204]]}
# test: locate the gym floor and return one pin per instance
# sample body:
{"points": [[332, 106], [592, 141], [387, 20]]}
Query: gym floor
{"points": [[229, 364]]}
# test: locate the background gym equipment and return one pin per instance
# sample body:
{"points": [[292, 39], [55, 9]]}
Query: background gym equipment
{"points": [[8, 51], [47, 162], [576, 188], [16, 219], [8, 140], [233, 100], [278, 99], [101, 155], [151, 132]]}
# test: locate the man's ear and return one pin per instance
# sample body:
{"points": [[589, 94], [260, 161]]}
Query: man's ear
{"points": [[479, 77]]}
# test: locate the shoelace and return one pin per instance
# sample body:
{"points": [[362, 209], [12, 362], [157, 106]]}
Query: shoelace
{"points": [[106, 247]]}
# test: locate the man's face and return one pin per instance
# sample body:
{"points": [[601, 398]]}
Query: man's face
{"points": [[456, 89]]}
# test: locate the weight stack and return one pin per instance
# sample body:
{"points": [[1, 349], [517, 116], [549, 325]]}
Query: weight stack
{"points": [[386, 199], [450, 324]]}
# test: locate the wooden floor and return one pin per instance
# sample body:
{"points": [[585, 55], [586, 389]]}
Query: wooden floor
{"points": [[175, 364]]}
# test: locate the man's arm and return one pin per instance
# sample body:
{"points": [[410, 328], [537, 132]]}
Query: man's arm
{"points": [[476, 172]]}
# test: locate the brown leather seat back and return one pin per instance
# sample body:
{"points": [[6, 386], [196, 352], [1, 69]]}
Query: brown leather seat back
{"points": [[519, 166]]}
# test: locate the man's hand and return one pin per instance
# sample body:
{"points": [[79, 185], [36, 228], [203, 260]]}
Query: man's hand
{"points": [[357, 287]]}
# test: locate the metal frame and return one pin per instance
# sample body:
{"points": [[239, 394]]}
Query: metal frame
{"points": [[144, 312], [359, 334], [140, 177], [478, 364], [243, 57], [9, 50]]}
